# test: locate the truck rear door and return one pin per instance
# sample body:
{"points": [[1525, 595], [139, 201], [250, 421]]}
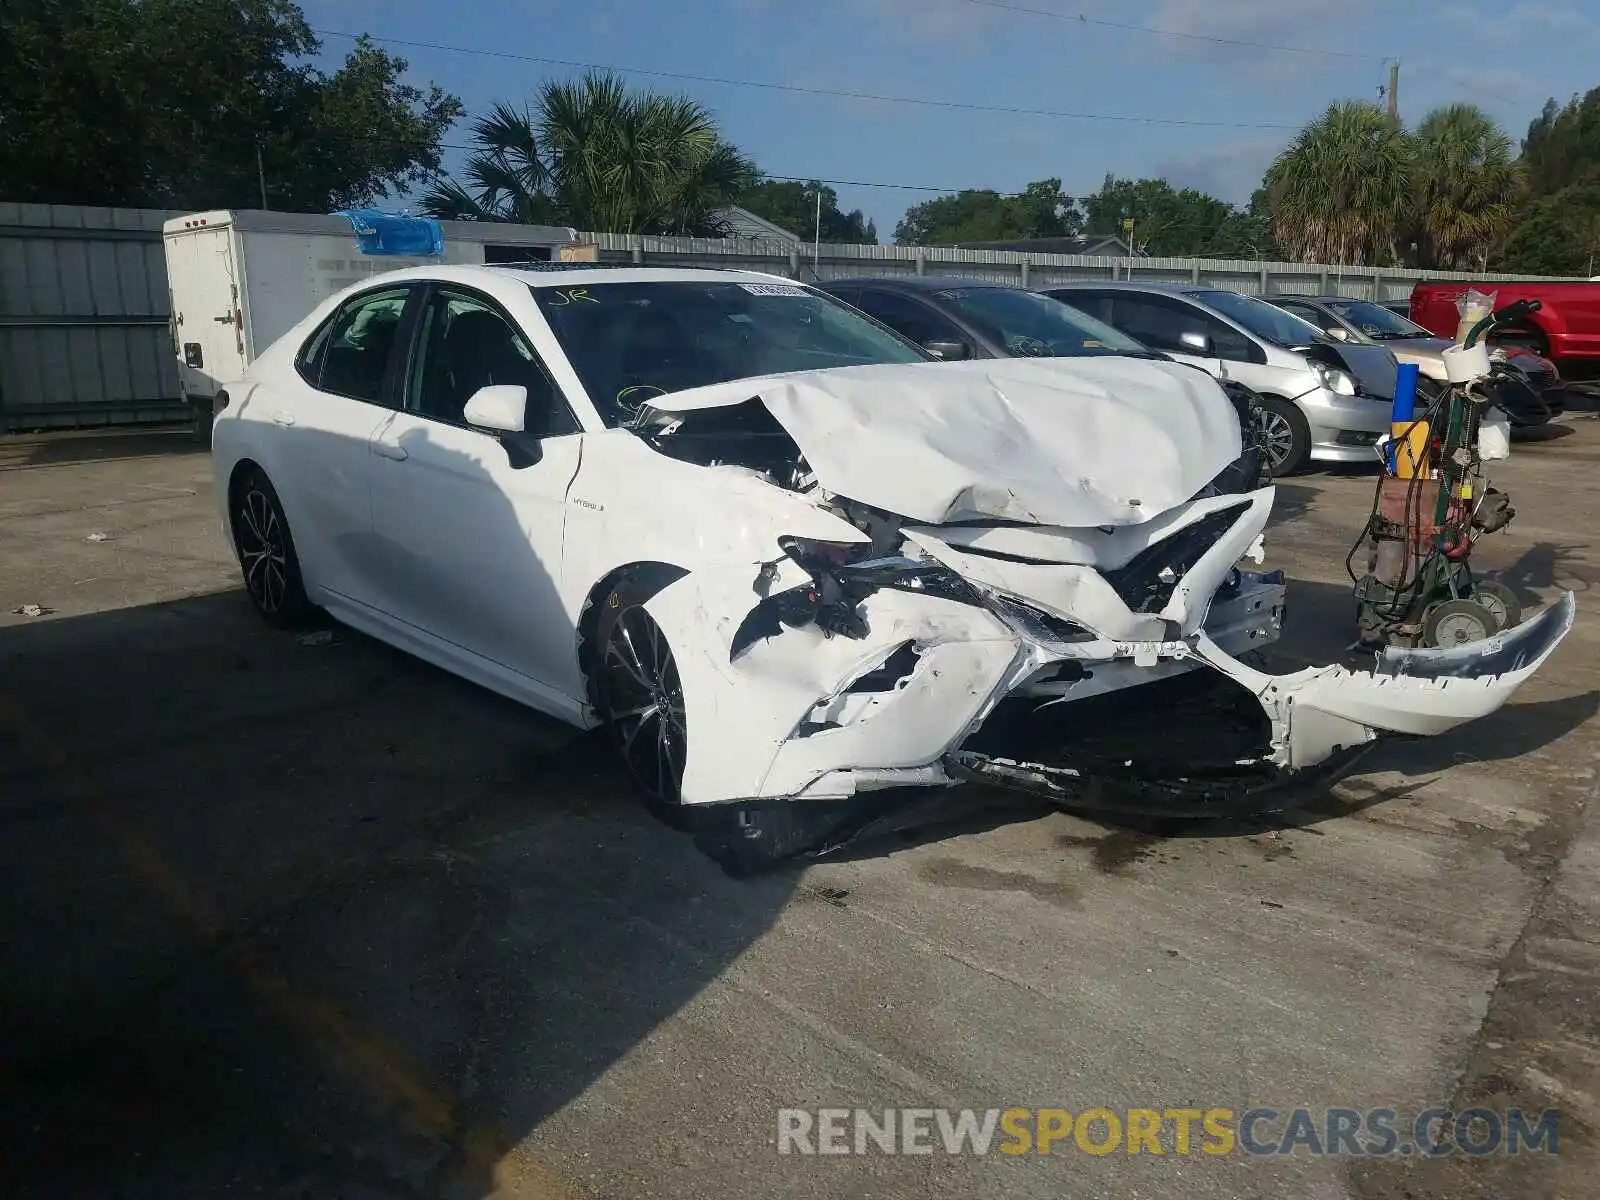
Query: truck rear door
{"points": [[208, 320]]}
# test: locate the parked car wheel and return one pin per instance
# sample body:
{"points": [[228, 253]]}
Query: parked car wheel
{"points": [[265, 547], [1285, 436]]}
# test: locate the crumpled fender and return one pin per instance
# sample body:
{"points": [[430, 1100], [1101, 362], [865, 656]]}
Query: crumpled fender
{"points": [[741, 714], [1320, 710]]}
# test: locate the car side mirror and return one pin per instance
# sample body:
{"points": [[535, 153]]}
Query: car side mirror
{"points": [[1339, 332], [948, 351], [1200, 343], [500, 407]]}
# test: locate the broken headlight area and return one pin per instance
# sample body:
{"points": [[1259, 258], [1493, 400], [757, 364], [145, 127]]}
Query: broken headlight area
{"points": [[843, 574], [1146, 582]]}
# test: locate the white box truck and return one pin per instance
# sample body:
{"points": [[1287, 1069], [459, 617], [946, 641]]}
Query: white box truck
{"points": [[239, 279]]}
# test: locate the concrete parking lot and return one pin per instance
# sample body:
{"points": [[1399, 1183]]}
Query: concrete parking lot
{"points": [[304, 918]]}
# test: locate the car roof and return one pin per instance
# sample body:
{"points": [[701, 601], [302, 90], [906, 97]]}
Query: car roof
{"points": [[914, 283], [562, 274], [1125, 285]]}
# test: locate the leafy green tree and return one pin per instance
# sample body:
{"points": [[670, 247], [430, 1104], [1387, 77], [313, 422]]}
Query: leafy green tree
{"points": [[1465, 187], [793, 206], [1341, 190], [1558, 235], [595, 155], [1170, 222], [982, 215], [1563, 145], [190, 103]]}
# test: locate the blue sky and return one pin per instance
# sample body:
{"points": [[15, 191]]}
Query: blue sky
{"points": [[1508, 57]]}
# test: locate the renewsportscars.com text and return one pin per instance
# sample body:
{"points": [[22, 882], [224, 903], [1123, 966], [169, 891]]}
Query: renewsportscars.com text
{"points": [[1373, 1132]]}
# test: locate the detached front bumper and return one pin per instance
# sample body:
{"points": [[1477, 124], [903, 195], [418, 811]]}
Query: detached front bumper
{"points": [[1234, 739]]}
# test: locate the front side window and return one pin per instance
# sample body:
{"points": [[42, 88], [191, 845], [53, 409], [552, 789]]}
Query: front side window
{"points": [[1029, 325], [1267, 321], [465, 344], [1307, 312], [629, 342], [349, 356], [905, 316]]}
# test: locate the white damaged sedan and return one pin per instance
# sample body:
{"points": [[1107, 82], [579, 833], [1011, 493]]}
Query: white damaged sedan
{"points": [[785, 558]]}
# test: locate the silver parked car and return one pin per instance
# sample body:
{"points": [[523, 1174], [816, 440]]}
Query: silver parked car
{"points": [[1322, 400]]}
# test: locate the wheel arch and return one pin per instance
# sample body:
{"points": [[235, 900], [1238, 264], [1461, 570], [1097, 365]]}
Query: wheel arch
{"points": [[1528, 332], [236, 476], [589, 613]]}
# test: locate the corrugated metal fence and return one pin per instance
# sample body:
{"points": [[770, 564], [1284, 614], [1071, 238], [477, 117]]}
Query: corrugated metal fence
{"points": [[1029, 270], [83, 318], [84, 304]]}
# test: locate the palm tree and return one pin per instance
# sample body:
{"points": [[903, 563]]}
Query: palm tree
{"points": [[1341, 190], [594, 155], [1466, 186]]}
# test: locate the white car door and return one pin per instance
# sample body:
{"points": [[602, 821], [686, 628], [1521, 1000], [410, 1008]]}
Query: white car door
{"points": [[325, 416], [470, 523]]}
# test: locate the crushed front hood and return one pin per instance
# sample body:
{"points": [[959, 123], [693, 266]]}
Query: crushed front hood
{"points": [[1077, 443]]}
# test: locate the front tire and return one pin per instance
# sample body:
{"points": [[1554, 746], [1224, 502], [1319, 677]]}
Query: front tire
{"points": [[266, 553], [638, 695], [1285, 436]]}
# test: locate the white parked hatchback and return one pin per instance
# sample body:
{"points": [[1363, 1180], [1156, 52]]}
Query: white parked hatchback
{"points": [[783, 557]]}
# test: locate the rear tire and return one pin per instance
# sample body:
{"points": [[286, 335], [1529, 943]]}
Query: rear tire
{"points": [[1286, 436], [265, 547]]}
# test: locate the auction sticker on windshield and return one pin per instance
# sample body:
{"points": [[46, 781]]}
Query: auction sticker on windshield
{"points": [[773, 289]]}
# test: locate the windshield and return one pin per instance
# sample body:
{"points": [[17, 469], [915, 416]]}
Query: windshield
{"points": [[629, 342], [1375, 320], [1266, 321], [1029, 325]]}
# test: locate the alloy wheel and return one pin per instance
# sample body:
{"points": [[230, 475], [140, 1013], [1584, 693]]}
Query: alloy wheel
{"points": [[644, 704], [263, 550], [1277, 437]]}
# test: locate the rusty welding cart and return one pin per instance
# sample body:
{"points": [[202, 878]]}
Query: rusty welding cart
{"points": [[1431, 506]]}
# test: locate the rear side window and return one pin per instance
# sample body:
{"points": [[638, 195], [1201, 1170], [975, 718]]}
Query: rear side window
{"points": [[349, 356]]}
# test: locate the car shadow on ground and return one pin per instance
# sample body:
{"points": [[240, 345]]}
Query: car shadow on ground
{"points": [[300, 915]]}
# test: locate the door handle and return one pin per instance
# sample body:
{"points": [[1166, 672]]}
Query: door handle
{"points": [[282, 418], [390, 450]]}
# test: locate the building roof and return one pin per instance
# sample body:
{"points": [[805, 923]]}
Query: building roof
{"points": [[742, 223]]}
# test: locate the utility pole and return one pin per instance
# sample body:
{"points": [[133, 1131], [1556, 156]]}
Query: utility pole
{"points": [[816, 241], [261, 174], [1394, 88]]}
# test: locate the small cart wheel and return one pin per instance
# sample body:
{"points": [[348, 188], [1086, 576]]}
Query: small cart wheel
{"points": [[1457, 623], [1500, 600]]}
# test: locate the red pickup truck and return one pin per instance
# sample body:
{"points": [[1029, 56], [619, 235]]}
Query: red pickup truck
{"points": [[1566, 328]]}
